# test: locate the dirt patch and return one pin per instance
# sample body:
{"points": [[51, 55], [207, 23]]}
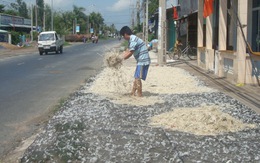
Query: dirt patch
{"points": [[9, 46], [205, 120], [9, 50]]}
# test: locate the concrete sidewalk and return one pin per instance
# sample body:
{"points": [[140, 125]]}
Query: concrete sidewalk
{"points": [[92, 128]]}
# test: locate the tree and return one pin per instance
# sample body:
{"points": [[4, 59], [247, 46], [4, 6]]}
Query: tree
{"points": [[96, 20], [40, 12], [11, 12], [2, 8], [113, 28], [20, 7], [81, 18], [153, 6], [47, 10]]}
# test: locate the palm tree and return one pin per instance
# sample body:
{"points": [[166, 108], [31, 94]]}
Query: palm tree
{"points": [[96, 20], [81, 17]]}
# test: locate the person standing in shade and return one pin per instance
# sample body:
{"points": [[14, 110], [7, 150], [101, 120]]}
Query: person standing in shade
{"points": [[138, 49]]}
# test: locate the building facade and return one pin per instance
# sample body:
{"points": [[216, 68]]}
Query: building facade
{"points": [[15, 23], [225, 38]]}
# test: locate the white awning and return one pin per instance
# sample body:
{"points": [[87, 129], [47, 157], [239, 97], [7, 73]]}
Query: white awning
{"points": [[3, 31], [21, 26]]}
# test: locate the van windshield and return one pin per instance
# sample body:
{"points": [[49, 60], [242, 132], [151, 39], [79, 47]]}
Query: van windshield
{"points": [[46, 37]]}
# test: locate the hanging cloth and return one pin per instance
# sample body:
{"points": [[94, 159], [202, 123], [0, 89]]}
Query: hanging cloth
{"points": [[208, 8], [175, 13]]}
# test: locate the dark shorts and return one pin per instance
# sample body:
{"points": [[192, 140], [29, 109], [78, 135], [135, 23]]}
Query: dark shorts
{"points": [[141, 71]]}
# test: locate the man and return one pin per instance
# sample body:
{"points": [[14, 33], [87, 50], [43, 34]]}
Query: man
{"points": [[136, 47]]}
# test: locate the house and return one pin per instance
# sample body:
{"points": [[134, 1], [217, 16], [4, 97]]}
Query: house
{"points": [[5, 36], [222, 39], [15, 23]]}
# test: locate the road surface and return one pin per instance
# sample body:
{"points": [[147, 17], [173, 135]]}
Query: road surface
{"points": [[32, 85]]}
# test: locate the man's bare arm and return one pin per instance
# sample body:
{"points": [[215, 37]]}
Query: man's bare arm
{"points": [[128, 54]]}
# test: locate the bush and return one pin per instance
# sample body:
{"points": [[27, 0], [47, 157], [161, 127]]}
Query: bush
{"points": [[15, 37], [151, 37], [35, 35]]}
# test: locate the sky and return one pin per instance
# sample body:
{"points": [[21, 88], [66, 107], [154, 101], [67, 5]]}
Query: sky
{"points": [[116, 12]]}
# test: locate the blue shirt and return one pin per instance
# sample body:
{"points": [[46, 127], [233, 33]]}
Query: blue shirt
{"points": [[140, 50]]}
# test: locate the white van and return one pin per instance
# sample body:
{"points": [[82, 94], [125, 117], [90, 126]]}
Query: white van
{"points": [[49, 41]]}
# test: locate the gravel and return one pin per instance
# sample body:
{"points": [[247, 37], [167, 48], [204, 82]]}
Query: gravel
{"points": [[90, 128]]}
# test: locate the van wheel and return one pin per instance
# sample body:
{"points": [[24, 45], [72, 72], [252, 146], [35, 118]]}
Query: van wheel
{"points": [[57, 52], [46, 53], [40, 53], [61, 49]]}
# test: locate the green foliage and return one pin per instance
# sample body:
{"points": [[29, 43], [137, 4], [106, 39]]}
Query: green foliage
{"points": [[64, 21], [151, 36], [20, 8], [40, 9], [153, 6], [138, 28], [15, 37], [47, 17], [35, 35], [2, 8], [66, 43], [11, 12], [96, 21]]}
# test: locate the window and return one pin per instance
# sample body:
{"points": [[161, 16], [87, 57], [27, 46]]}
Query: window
{"points": [[46, 37], [256, 3], [256, 26]]}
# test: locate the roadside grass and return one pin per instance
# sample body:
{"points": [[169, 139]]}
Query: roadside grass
{"points": [[66, 43], [58, 106]]}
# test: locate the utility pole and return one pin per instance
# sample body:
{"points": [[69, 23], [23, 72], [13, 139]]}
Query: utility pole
{"points": [[143, 8], [76, 25], [32, 23], [52, 15], [162, 33], [146, 22], [133, 17], [36, 16], [87, 25], [43, 19], [138, 14]]}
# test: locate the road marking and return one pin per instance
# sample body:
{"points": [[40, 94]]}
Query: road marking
{"points": [[39, 59]]}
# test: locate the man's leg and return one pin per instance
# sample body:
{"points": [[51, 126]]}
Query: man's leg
{"points": [[134, 88], [139, 87]]}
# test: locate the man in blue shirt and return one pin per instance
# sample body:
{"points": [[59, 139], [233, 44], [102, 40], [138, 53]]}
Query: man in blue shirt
{"points": [[136, 47]]}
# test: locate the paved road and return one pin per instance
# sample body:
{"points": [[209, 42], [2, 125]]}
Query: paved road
{"points": [[31, 85]]}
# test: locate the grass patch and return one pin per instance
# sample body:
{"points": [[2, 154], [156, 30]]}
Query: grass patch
{"points": [[58, 106], [66, 43]]}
